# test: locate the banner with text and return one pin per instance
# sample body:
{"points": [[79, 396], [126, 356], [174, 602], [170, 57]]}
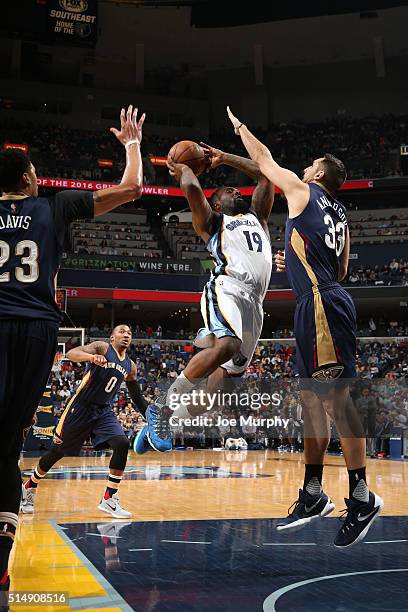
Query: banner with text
{"points": [[156, 190], [73, 22], [131, 264]]}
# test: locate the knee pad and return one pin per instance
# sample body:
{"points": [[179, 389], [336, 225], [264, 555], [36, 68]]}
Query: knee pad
{"points": [[120, 447], [49, 459]]}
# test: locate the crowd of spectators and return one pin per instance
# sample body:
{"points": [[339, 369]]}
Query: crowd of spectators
{"points": [[394, 273], [381, 394], [369, 147], [376, 328]]}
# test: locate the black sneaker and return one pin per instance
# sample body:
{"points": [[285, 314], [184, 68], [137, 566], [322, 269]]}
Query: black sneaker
{"points": [[306, 508], [359, 516]]}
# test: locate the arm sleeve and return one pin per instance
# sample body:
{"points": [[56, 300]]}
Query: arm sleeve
{"points": [[69, 206], [136, 396]]}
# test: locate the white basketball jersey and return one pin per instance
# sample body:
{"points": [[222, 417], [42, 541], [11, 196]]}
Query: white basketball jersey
{"points": [[242, 250]]}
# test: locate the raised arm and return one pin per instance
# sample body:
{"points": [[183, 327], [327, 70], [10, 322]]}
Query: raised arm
{"points": [[131, 186], [204, 217], [94, 353], [295, 191], [262, 199]]}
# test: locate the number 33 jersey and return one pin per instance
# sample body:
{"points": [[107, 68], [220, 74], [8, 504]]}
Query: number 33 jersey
{"points": [[242, 250], [314, 242]]}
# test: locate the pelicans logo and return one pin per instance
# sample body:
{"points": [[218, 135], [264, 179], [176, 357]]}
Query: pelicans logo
{"points": [[328, 373]]}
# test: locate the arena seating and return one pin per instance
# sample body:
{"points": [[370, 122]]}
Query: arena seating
{"points": [[115, 234], [369, 145]]}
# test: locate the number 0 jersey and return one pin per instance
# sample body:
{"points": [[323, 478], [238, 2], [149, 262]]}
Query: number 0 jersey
{"points": [[242, 250], [99, 386], [32, 233], [314, 242]]}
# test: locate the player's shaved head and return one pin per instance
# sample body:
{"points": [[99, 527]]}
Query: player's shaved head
{"points": [[229, 200]]}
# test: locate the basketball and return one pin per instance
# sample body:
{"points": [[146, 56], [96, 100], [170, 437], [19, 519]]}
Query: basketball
{"points": [[190, 153]]}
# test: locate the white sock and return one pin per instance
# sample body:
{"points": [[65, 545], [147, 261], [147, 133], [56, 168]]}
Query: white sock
{"points": [[181, 385], [182, 413]]}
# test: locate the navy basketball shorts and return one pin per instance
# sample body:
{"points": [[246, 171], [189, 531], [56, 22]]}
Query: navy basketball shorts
{"points": [[325, 331], [27, 351], [79, 422]]}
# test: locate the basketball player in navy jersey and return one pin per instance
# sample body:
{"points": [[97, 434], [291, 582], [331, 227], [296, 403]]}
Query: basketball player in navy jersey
{"points": [[317, 246], [89, 414], [32, 232]]}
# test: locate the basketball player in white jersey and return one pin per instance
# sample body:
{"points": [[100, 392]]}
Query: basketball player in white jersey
{"points": [[237, 236]]}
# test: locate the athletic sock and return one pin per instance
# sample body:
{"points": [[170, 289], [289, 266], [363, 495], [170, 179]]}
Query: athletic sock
{"points": [[34, 479], [313, 478], [113, 485], [181, 385], [358, 488]]}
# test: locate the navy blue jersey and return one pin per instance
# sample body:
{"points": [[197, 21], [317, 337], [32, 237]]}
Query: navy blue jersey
{"points": [[32, 233], [99, 386], [314, 242]]}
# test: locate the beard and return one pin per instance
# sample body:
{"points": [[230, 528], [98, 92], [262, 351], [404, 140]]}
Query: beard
{"points": [[240, 206]]}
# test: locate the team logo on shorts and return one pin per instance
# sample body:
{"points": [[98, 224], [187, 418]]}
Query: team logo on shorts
{"points": [[328, 373]]}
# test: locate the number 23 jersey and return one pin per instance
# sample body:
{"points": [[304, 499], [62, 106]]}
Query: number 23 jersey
{"points": [[33, 232], [314, 242], [242, 249]]}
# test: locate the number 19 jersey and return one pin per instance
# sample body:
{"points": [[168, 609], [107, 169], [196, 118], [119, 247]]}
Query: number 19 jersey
{"points": [[242, 250], [314, 242]]}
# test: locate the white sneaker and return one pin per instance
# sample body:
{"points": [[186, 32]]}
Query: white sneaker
{"points": [[112, 506], [112, 530], [27, 500]]}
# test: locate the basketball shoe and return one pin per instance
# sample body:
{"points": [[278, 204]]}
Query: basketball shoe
{"points": [[358, 518], [158, 428], [305, 509], [27, 500], [112, 506], [141, 443]]}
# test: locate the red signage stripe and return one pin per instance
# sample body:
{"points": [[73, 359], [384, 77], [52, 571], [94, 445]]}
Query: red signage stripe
{"points": [[62, 183], [181, 297]]}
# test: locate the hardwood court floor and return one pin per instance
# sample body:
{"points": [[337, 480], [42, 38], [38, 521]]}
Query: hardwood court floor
{"points": [[57, 547]]}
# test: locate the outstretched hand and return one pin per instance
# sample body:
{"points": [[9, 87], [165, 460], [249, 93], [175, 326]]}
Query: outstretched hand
{"points": [[130, 127], [215, 156], [175, 169], [234, 120]]}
